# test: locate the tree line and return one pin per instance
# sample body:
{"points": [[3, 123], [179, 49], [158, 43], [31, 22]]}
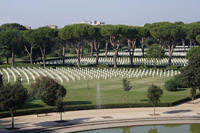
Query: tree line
{"points": [[15, 39]]}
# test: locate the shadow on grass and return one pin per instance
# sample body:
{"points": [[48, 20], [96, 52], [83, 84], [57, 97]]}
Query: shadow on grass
{"points": [[181, 89], [76, 102], [144, 100], [32, 105]]}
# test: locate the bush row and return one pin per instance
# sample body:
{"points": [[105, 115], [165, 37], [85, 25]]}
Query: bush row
{"points": [[44, 110], [78, 107]]}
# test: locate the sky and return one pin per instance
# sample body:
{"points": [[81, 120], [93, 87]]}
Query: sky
{"points": [[37, 13]]}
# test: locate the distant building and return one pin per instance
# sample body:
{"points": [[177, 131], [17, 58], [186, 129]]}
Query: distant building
{"points": [[27, 27], [52, 26], [95, 22]]}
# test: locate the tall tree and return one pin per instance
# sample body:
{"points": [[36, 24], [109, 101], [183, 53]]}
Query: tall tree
{"points": [[66, 34], [95, 37], [143, 33], [44, 37], [77, 33], [105, 34], [30, 43], [114, 32], [130, 33], [190, 74], [167, 34], [8, 26], [193, 29], [12, 39], [12, 97]]}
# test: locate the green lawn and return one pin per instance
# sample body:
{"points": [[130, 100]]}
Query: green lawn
{"points": [[112, 92]]}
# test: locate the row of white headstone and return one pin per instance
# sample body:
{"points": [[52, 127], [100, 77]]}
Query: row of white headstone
{"points": [[123, 61], [176, 49], [72, 74], [175, 54]]}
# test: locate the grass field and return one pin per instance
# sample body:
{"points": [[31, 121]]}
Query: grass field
{"points": [[112, 92]]}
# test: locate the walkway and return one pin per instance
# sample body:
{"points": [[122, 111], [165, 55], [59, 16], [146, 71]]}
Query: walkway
{"points": [[105, 118]]}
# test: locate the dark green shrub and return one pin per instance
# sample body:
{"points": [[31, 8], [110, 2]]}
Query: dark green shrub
{"points": [[179, 83], [171, 85]]}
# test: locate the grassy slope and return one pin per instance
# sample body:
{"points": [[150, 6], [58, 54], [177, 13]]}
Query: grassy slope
{"points": [[111, 91]]}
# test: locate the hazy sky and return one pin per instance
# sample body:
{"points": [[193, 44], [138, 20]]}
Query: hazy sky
{"points": [[36, 13]]}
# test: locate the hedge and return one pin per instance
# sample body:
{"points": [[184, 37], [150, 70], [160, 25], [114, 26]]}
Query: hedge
{"points": [[77, 107], [44, 110]]}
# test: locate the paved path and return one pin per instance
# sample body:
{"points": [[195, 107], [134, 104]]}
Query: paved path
{"points": [[105, 118]]}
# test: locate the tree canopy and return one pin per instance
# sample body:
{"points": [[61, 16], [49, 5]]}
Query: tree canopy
{"points": [[12, 97], [192, 52], [154, 93], [47, 90], [190, 74]]}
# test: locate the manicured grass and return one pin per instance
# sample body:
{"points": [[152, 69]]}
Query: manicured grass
{"points": [[112, 92]]}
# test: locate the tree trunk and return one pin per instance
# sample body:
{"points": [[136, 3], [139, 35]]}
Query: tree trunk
{"points": [[130, 55], [170, 47], [81, 52], [13, 57], [183, 43], [92, 49], [31, 57], [127, 99], [131, 48], [170, 59], [43, 55], [12, 115], [190, 43], [106, 49], [30, 54], [97, 56], [97, 51], [40, 57], [60, 116], [115, 56], [7, 59], [63, 54], [78, 56], [142, 46]]}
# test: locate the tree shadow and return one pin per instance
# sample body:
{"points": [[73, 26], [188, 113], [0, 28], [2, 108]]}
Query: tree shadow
{"points": [[181, 89], [32, 105], [144, 100], [177, 111], [67, 123], [6, 127], [76, 102]]}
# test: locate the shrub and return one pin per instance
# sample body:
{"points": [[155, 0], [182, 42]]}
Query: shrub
{"points": [[47, 89], [192, 52], [171, 85], [179, 83]]}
